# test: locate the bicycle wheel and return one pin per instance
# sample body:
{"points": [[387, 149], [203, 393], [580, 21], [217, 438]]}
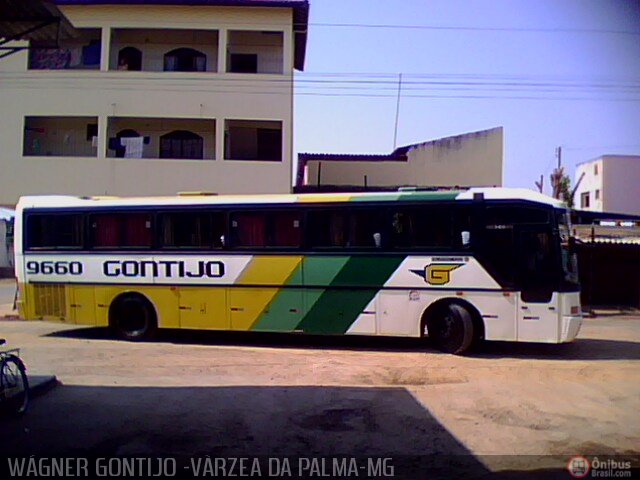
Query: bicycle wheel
{"points": [[14, 386]]}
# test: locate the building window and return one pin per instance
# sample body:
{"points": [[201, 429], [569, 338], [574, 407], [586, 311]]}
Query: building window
{"points": [[185, 60], [253, 140], [595, 169], [584, 200], [243, 63], [171, 138], [255, 51], [125, 146], [130, 58], [181, 144], [597, 195], [60, 137]]}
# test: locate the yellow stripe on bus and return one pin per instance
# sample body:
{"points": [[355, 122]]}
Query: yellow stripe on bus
{"points": [[247, 304]]}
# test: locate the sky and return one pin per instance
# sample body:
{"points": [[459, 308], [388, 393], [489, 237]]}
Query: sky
{"points": [[551, 72]]}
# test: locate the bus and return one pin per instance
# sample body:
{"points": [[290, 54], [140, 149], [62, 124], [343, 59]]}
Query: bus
{"points": [[455, 266]]}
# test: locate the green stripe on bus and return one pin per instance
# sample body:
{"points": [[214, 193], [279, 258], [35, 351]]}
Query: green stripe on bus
{"points": [[376, 198], [336, 309], [429, 196], [315, 271]]}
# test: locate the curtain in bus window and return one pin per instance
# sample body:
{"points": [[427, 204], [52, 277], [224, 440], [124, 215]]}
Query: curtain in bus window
{"points": [[137, 230], [250, 229], [106, 230], [286, 229]]}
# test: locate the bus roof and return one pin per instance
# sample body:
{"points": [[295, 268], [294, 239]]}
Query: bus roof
{"points": [[498, 193]]}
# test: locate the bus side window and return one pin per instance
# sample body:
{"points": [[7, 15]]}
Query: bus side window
{"points": [[285, 229], [423, 227], [360, 228], [249, 229], [133, 230], [186, 230], [364, 228], [55, 231], [327, 228]]}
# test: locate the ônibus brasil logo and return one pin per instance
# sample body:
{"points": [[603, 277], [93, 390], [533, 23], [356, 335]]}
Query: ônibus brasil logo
{"points": [[578, 467]]}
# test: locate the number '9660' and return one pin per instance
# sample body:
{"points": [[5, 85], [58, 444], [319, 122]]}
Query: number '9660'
{"points": [[54, 268]]}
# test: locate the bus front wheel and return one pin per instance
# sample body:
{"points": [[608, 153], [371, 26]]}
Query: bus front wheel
{"points": [[132, 317], [451, 328]]}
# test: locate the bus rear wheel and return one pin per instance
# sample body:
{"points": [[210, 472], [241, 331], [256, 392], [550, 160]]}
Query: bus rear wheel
{"points": [[132, 317], [451, 328]]}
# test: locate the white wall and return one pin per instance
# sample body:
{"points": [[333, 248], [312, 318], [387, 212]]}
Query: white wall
{"points": [[591, 183], [617, 179], [473, 159], [6, 250], [622, 184], [111, 93]]}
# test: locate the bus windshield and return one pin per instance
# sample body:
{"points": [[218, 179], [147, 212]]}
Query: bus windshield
{"points": [[569, 258]]}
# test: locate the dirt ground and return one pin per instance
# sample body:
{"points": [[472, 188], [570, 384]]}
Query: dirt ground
{"points": [[251, 394]]}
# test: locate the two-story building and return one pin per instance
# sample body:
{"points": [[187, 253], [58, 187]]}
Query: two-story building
{"points": [[610, 183], [152, 97]]}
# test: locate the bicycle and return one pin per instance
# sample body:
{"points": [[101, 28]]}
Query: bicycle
{"points": [[14, 385]]}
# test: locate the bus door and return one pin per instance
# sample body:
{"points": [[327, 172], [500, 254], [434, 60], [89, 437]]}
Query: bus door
{"points": [[537, 269]]}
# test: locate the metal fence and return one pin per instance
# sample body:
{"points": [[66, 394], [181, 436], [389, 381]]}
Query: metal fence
{"points": [[609, 274]]}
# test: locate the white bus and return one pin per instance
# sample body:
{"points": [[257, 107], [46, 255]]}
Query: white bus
{"points": [[456, 266]]}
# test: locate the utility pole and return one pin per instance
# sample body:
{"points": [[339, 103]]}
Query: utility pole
{"points": [[395, 131], [557, 175], [540, 184]]}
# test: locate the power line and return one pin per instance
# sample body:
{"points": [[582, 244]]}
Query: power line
{"points": [[476, 29]]}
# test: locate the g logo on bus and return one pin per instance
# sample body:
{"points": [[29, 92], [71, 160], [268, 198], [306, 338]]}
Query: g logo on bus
{"points": [[437, 273]]}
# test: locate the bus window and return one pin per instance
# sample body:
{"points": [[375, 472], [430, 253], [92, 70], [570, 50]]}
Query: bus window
{"points": [[266, 229], [121, 230], [49, 231], [286, 231], [363, 227], [249, 229], [328, 228], [425, 227], [538, 266], [510, 215], [186, 230], [342, 228]]}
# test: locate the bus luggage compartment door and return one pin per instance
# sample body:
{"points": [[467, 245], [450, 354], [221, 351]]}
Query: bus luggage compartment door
{"points": [[204, 308]]}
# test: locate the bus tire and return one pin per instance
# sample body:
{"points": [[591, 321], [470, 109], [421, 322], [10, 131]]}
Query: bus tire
{"points": [[132, 317], [451, 328]]}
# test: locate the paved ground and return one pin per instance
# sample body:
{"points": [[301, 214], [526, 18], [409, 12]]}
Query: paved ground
{"points": [[7, 290], [248, 394]]}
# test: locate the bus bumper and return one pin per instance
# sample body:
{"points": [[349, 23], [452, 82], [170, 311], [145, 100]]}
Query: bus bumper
{"points": [[570, 328]]}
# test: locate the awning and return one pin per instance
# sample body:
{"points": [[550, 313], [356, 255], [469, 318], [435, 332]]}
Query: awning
{"points": [[36, 20]]}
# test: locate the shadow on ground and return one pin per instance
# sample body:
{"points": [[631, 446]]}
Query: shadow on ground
{"points": [[85, 421], [580, 349]]}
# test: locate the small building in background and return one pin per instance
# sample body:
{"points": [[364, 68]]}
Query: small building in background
{"points": [[6, 242], [610, 183], [470, 159]]}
